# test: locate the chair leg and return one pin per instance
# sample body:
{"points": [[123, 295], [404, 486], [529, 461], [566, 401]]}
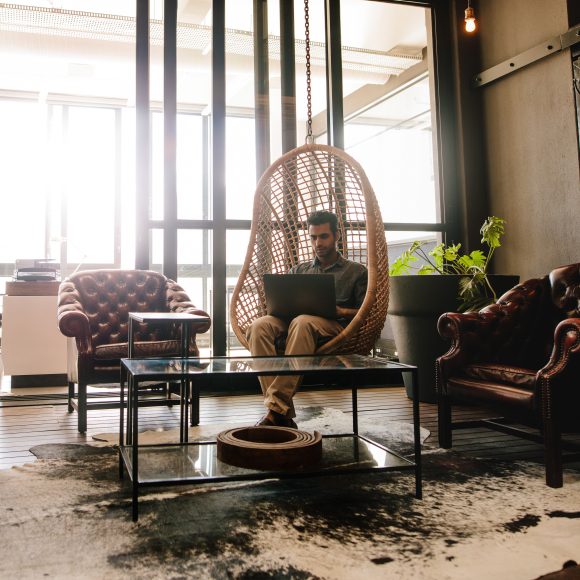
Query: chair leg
{"points": [[444, 422], [82, 407], [194, 419], [553, 454], [71, 394], [171, 388]]}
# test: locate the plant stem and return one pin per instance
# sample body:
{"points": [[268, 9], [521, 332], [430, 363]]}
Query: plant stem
{"points": [[491, 288], [426, 258], [487, 261]]}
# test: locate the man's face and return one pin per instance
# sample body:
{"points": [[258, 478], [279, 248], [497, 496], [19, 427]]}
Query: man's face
{"points": [[323, 240]]}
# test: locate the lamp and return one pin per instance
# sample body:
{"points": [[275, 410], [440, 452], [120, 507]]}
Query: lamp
{"points": [[470, 24]]}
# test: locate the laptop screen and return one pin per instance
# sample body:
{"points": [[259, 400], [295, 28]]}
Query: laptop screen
{"points": [[289, 295]]}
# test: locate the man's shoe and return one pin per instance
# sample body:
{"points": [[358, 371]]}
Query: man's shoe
{"points": [[273, 419], [265, 421]]}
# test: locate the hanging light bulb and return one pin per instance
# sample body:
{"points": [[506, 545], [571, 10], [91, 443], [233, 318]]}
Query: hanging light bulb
{"points": [[470, 24]]}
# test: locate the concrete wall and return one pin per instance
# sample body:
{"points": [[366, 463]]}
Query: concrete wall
{"points": [[530, 138]]}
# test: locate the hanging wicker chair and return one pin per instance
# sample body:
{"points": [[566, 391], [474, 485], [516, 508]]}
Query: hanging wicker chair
{"points": [[306, 179]]}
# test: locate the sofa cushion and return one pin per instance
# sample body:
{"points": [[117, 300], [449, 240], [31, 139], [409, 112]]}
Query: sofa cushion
{"points": [[154, 348], [504, 374], [497, 395]]}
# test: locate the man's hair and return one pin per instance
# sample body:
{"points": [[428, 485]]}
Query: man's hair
{"points": [[317, 218]]}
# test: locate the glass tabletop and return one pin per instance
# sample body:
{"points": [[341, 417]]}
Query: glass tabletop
{"points": [[166, 317], [199, 461], [278, 365]]}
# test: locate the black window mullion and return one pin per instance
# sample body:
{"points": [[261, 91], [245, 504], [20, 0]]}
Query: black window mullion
{"points": [[261, 86], [447, 154], [218, 178], [170, 138], [205, 203], [288, 74], [334, 96], [142, 138]]}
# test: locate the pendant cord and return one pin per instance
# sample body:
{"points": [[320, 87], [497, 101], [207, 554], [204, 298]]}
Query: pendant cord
{"points": [[309, 137]]}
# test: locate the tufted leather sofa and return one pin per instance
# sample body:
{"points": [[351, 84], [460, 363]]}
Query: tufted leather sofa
{"points": [[521, 358], [93, 311]]}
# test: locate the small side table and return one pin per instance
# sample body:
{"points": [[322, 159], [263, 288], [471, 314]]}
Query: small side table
{"points": [[186, 321]]}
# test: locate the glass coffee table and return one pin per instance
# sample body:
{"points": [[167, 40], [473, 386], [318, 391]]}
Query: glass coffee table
{"points": [[196, 462]]}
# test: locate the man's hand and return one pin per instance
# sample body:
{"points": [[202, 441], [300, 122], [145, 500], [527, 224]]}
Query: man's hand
{"points": [[346, 312]]}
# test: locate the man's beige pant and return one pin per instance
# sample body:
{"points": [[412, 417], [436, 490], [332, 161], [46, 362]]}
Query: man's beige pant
{"points": [[303, 334]]}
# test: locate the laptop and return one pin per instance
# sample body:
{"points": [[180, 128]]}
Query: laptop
{"points": [[289, 295]]}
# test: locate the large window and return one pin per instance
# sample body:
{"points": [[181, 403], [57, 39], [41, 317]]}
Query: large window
{"points": [[90, 191], [68, 118], [61, 178], [24, 200], [66, 79], [241, 167], [394, 143]]}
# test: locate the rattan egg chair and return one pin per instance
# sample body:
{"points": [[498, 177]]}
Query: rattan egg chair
{"points": [[309, 178]]}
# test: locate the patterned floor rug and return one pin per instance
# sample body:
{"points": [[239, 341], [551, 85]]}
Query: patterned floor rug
{"points": [[68, 516]]}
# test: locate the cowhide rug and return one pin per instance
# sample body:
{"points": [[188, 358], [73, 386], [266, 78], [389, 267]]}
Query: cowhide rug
{"points": [[68, 516]]}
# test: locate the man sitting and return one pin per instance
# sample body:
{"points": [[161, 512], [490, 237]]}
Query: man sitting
{"points": [[304, 332]]}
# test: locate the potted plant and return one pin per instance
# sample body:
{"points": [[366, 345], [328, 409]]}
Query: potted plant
{"points": [[447, 281]]}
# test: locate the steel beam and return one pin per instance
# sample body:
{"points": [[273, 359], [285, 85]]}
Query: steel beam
{"points": [[538, 52]]}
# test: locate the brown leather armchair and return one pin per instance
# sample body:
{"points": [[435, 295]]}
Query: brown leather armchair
{"points": [[519, 357], [93, 310]]}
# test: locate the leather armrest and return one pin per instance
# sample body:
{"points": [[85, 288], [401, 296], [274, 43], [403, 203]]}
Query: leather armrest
{"points": [[178, 301], [557, 380], [72, 319], [473, 338], [566, 351]]}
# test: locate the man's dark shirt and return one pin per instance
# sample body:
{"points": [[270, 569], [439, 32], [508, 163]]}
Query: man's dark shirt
{"points": [[350, 279]]}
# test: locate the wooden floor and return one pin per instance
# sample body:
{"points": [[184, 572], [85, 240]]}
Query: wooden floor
{"points": [[29, 418]]}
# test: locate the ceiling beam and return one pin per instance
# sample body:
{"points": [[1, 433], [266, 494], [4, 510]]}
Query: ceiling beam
{"points": [[370, 95]]}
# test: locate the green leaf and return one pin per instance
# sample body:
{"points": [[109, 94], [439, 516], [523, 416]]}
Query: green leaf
{"points": [[451, 252], [402, 265], [426, 270], [473, 292], [472, 263], [464, 265], [415, 246], [492, 230], [478, 259], [438, 253]]}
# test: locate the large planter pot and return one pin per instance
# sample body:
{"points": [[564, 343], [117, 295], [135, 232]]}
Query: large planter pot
{"points": [[415, 305]]}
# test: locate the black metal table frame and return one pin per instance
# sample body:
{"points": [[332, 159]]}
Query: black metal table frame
{"points": [[129, 438]]}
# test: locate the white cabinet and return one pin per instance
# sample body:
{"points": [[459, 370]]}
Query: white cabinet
{"points": [[31, 341]]}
